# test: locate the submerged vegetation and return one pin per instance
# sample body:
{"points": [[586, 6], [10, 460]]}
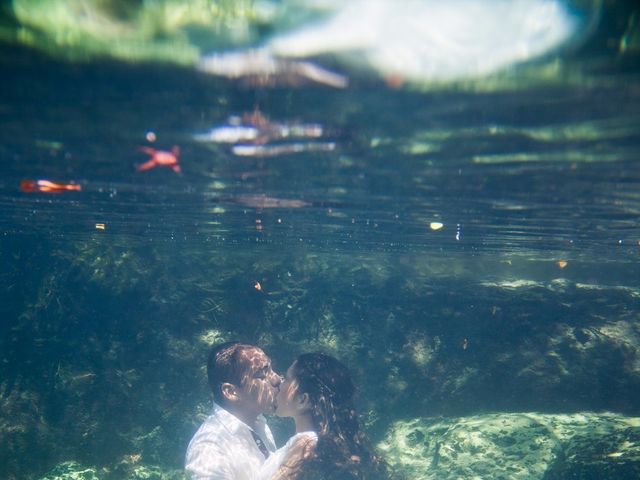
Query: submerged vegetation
{"points": [[108, 349], [168, 30]]}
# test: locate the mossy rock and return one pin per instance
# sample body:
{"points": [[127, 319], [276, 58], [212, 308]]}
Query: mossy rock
{"points": [[72, 471], [151, 472], [516, 445]]}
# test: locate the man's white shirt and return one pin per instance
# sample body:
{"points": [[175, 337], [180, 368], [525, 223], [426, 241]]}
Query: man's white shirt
{"points": [[223, 448]]}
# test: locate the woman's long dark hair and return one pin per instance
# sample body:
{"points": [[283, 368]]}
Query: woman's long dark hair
{"points": [[342, 451]]}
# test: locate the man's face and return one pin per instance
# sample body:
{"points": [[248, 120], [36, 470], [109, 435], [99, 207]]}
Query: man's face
{"points": [[260, 384]]}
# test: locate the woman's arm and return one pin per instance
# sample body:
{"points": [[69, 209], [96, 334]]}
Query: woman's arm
{"points": [[300, 450]]}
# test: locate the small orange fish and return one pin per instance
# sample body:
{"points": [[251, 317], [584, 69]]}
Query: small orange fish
{"points": [[161, 158], [47, 186]]}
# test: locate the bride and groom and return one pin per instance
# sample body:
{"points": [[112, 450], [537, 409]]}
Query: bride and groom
{"points": [[235, 443]]}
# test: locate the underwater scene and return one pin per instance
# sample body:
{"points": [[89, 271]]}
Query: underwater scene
{"points": [[443, 195]]}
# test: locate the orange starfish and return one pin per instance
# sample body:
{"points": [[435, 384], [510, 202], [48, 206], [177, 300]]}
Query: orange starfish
{"points": [[161, 158]]}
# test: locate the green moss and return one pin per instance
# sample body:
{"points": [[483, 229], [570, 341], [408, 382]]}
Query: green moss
{"points": [[128, 468], [72, 471], [132, 31], [519, 445]]}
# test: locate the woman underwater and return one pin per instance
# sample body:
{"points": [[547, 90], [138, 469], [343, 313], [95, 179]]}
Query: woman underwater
{"points": [[328, 444]]}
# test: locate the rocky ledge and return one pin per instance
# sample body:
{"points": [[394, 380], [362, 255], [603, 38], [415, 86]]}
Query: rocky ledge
{"points": [[516, 445]]}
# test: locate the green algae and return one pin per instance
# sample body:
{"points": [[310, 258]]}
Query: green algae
{"points": [[151, 31], [518, 445], [127, 468], [506, 445]]}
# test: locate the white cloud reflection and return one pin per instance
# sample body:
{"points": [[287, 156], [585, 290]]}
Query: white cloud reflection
{"points": [[433, 40]]}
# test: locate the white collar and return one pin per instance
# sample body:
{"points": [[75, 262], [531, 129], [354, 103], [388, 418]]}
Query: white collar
{"points": [[233, 424]]}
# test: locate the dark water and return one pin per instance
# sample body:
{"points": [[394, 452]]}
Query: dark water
{"points": [[105, 332]]}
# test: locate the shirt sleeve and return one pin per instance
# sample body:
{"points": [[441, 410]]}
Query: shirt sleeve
{"points": [[271, 465], [207, 461]]}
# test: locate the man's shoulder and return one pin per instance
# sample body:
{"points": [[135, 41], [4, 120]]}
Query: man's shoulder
{"points": [[208, 454], [222, 449], [212, 429]]}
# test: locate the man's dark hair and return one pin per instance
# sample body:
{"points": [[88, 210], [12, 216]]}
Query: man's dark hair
{"points": [[227, 364]]}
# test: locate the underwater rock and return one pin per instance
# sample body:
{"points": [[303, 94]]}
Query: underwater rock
{"points": [[515, 445], [134, 471], [71, 471]]}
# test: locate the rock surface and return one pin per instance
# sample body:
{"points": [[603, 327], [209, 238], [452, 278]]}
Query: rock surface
{"points": [[516, 445]]}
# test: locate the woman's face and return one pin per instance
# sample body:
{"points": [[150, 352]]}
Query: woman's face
{"points": [[287, 395]]}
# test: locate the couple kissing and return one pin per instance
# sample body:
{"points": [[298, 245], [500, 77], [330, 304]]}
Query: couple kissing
{"points": [[235, 442]]}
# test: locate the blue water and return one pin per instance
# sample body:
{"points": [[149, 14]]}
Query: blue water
{"points": [[105, 329], [503, 169]]}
